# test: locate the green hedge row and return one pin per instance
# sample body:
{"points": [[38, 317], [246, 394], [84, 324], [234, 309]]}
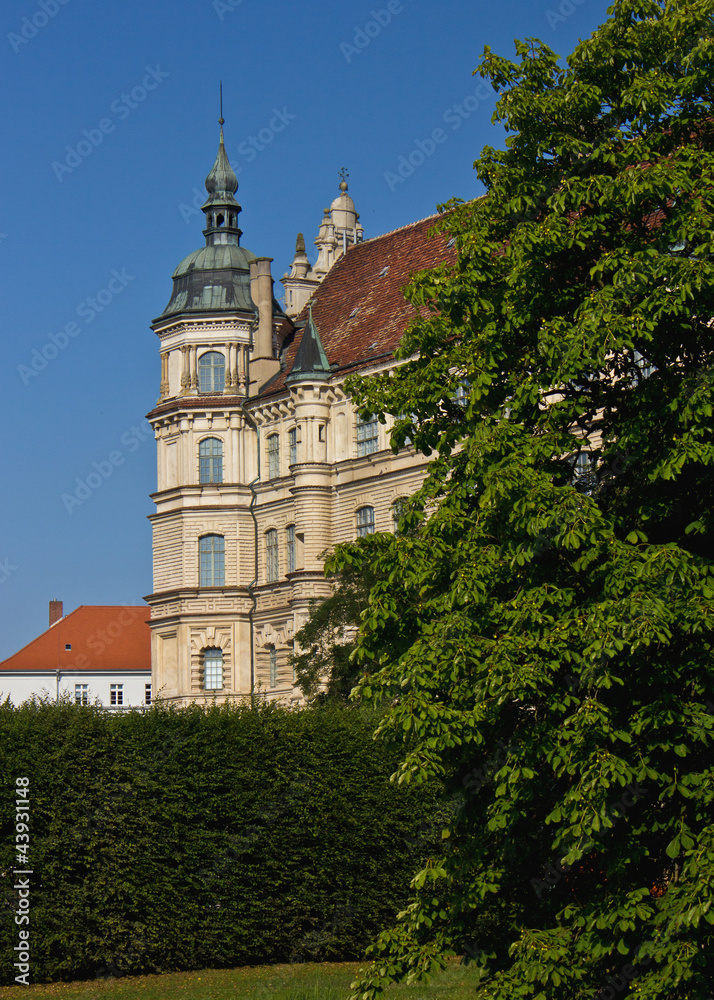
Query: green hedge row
{"points": [[166, 840]]}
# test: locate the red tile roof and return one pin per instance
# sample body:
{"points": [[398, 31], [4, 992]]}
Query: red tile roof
{"points": [[104, 637], [359, 309]]}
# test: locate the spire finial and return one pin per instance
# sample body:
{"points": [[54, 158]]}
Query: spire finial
{"points": [[221, 120], [344, 174]]}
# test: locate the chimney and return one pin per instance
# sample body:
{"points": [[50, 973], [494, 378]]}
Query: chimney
{"points": [[262, 291], [55, 612]]}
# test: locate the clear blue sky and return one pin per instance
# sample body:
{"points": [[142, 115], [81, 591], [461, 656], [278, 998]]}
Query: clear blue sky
{"points": [[132, 89]]}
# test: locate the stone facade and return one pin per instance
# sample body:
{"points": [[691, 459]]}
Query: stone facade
{"points": [[263, 462]]}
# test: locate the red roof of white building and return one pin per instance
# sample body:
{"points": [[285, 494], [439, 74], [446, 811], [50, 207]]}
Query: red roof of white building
{"points": [[103, 637]]}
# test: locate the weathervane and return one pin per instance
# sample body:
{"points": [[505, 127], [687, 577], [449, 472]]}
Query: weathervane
{"points": [[344, 174]]}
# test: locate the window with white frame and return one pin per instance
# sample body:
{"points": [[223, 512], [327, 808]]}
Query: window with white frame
{"points": [[273, 456], [292, 444], [116, 694], [81, 694], [211, 372], [365, 521], [212, 669], [212, 571], [210, 461], [290, 547], [367, 436], [273, 667], [272, 568], [147, 694]]}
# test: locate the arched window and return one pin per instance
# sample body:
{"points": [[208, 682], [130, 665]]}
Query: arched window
{"points": [[271, 555], [211, 372], [365, 521], [273, 456], [212, 561], [210, 461], [212, 669]]}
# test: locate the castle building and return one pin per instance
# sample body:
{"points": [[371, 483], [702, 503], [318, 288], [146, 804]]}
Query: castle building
{"points": [[263, 462]]}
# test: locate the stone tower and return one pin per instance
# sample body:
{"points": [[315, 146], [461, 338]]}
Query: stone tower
{"points": [[219, 337]]}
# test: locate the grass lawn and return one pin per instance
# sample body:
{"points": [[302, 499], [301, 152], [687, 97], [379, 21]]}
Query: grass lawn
{"points": [[328, 981]]}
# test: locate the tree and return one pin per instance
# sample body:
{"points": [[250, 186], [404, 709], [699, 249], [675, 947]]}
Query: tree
{"points": [[544, 631], [325, 668]]}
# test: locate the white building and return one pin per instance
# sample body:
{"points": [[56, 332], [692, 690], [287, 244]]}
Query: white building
{"points": [[95, 654]]}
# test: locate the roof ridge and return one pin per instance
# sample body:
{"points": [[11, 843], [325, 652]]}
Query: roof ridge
{"points": [[408, 225]]}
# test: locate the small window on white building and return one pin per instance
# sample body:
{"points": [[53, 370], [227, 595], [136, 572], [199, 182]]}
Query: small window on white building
{"points": [[367, 436], [147, 694], [292, 445], [212, 669], [116, 694], [365, 521], [81, 694]]}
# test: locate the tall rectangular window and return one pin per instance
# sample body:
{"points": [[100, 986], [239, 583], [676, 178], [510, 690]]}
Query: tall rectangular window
{"points": [[81, 694], [290, 547], [116, 694], [212, 572], [273, 667], [271, 555], [367, 436], [210, 461], [292, 444], [211, 372], [365, 521], [273, 456], [212, 669], [147, 694]]}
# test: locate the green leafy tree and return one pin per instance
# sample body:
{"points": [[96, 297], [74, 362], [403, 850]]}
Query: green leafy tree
{"points": [[544, 630], [325, 668]]}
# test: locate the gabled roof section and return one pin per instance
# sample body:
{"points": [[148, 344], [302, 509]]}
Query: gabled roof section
{"points": [[359, 308], [104, 637]]}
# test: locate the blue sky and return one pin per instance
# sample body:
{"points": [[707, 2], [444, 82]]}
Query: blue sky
{"points": [[110, 127]]}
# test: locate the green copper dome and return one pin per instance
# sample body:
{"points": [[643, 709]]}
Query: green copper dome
{"points": [[215, 278]]}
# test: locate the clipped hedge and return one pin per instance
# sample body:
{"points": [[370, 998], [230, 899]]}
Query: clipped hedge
{"points": [[166, 840]]}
